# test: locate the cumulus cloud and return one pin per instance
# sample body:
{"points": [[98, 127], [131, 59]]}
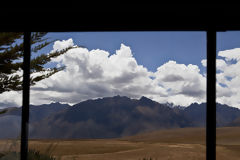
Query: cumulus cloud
{"points": [[59, 45], [231, 54], [183, 81], [96, 73], [221, 64], [92, 74], [204, 62], [229, 77], [172, 78], [10, 99]]}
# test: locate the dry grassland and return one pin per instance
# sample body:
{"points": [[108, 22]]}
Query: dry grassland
{"points": [[180, 144]]}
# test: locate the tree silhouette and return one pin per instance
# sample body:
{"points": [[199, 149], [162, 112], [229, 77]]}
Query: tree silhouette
{"points": [[11, 55]]}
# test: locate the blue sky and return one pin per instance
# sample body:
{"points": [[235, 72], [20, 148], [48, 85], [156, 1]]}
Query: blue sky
{"points": [[175, 82], [159, 49], [151, 49], [132, 70], [228, 40]]}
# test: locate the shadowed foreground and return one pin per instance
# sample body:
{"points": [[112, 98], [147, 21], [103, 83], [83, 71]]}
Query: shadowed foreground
{"points": [[187, 143]]}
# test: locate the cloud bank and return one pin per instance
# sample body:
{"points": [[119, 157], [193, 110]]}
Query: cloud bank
{"points": [[96, 73], [228, 78]]}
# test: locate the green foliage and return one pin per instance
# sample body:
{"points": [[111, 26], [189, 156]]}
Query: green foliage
{"points": [[11, 59]]}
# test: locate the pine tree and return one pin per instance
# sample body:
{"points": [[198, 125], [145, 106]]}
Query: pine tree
{"points": [[11, 55]]}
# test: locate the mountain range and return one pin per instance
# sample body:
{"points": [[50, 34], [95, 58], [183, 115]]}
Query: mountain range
{"points": [[110, 117]]}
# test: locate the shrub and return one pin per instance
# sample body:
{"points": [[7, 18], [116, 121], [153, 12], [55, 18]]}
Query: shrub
{"points": [[32, 155]]}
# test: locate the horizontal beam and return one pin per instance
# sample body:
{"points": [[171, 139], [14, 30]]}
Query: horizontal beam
{"points": [[59, 21]]}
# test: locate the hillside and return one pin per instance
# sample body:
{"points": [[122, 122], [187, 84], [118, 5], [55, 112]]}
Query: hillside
{"points": [[111, 117], [108, 118]]}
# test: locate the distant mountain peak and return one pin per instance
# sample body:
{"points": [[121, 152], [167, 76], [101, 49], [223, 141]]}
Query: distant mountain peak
{"points": [[144, 98], [146, 101], [55, 103], [118, 96], [171, 105]]}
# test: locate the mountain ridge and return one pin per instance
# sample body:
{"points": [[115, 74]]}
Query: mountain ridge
{"points": [[112, 117]]}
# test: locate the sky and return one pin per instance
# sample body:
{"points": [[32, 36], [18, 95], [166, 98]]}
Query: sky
{"points": [[150, 49], [164, 66]]}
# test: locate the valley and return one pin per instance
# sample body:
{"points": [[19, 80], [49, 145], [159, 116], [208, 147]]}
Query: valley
{"points": [[166, 144]]}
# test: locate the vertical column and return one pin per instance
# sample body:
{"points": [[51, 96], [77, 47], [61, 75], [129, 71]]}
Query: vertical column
{"points": [[26, 87], [211, 95]]}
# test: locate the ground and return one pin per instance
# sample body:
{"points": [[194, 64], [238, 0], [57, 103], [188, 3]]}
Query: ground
{"points": [[171, 144]]}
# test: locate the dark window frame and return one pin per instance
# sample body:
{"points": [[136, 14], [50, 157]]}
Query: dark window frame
{"points": [[178, 17], [211, 18]]}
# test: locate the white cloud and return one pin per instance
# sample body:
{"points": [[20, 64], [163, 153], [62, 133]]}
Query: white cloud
{"points": [[228, 79], [96, 73], [59, 45], [221, 64], [204, 62], [184, 83], [231, 54], [10, 99], [91, 74]]}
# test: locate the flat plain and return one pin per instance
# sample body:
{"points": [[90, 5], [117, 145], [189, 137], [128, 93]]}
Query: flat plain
{"points": [[168, 144]]}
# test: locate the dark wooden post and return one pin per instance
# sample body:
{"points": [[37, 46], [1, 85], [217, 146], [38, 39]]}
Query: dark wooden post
{"points": [[25, 98], [211, 95]]}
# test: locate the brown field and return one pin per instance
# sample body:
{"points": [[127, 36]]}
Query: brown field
{"points": [[180, 144]]}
